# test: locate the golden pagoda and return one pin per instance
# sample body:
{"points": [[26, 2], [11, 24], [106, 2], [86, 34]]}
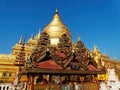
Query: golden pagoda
{"points": [[106, 61], [56, 60], [55, 30]]}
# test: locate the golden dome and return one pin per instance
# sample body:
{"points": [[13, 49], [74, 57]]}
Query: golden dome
{"points": [[55, 29]]}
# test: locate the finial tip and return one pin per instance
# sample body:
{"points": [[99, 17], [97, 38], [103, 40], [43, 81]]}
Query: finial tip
{"points": [[78, 37], [56, 10]]}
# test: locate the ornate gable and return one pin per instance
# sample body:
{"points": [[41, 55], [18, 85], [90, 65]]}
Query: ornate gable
{"points": [[63, 57], [82, 55]]}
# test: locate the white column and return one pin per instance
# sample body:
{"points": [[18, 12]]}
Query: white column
{"points": [[2, 87]]}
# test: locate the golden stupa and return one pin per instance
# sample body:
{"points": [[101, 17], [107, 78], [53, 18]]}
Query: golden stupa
{"points": [[55, 29]]}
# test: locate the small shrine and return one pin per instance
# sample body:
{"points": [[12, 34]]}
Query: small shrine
{"points": [[58, 63]]}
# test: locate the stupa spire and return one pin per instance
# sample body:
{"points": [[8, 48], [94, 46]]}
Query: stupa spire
{"points": [[39, 33], [56, 10], [32, 36], [20, 41], [95, 47], [55, 29], [56, 16], [78, 37]]}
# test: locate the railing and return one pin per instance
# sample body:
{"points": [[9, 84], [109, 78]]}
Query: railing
{"points": [[5, 86], [91, 86], [47, 87], [57, 87], [9, 86], [84, 86]]}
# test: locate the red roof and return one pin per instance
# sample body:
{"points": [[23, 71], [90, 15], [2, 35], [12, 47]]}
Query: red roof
{"points": [[48, 64], [60, 54], [92, 68]]}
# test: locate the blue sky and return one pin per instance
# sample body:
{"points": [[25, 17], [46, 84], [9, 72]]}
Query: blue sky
{"points": [[97, 21]]}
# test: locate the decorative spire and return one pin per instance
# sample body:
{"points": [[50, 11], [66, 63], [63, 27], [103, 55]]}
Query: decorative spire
{"points": [[96, 50], [95, 47], [56, 16], [39, 33], [78, 37], [56, 10], [32, 36], [20, 41], [20, 56]]}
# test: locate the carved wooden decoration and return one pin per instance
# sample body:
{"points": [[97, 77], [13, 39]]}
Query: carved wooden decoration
{"points": [[63, 55], [20, 58], [39, 52]]}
